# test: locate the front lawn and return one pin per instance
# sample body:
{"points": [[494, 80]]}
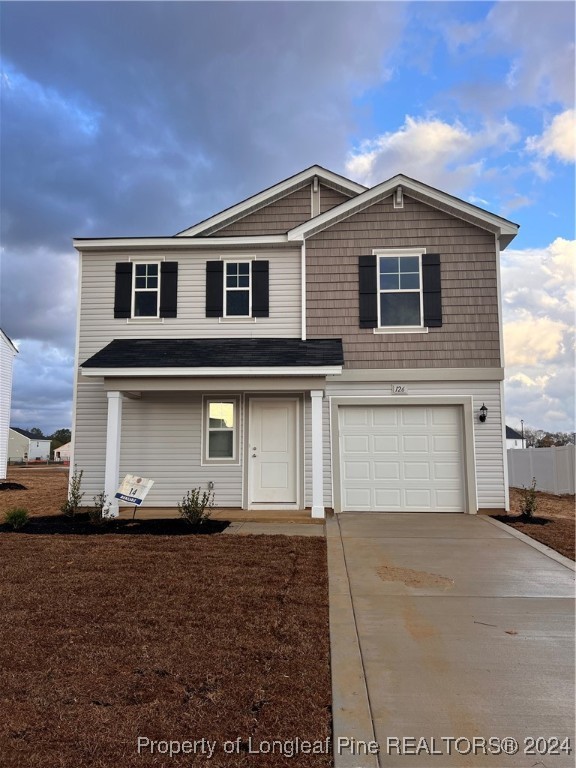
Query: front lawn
{"points": [[108, 638]]}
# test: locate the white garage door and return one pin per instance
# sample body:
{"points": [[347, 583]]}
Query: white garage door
{"points": [[401, 458]]}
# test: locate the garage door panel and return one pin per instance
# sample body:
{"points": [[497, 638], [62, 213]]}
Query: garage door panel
{"points": [[446, 444], [386, 470], [416, 470], [388, 500], [415, 444], [384, 417], [358, 498], [357, 470], [413, 416], [385, 444], [356, 443], [402, 458], [418, 499], [447, 470]]}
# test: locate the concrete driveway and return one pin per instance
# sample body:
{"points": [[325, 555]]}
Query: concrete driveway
{"points": [[446, 628]]}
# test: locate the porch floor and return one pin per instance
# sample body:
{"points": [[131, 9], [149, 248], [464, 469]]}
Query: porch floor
{"points": [[233, 514]]}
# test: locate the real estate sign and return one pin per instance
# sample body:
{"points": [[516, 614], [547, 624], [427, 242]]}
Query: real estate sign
{"points": [[134, 489]]}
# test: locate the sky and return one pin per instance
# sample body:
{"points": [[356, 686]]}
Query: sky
{"points": [[136, 119]]}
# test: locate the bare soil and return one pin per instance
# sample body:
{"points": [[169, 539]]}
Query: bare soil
{"points": [[556, 526], [108, 638], [45, 490]]}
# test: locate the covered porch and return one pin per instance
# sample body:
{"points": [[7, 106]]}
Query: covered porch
{"points": [[253, 435]]}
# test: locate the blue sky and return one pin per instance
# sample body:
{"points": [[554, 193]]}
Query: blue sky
{"points": [[144, 118]]}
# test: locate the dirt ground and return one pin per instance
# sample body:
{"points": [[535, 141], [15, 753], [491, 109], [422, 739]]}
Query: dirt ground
{"points": [[46, 489], [110, 638], [560, 511]]}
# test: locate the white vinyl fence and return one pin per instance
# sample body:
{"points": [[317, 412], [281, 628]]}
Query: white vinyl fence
{"points": [[553, 468]]}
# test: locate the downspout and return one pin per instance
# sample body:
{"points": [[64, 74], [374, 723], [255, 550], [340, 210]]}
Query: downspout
{"points": [[502, 401], [303, 288]]}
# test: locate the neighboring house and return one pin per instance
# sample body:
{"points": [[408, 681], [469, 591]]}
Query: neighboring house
{"points": [[317, 345], [63, 453], [7, 353], [514, 439], [24, 446]]}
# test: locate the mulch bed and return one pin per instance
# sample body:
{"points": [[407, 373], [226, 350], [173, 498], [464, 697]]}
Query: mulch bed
{"points": [[80, 525], [554, 524], [6, 485], [557, 533], [108, 638]]}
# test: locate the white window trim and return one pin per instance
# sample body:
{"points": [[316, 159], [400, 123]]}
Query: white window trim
{"points": [[223, 460], [225, 315], [399, 252], [145, 290]]}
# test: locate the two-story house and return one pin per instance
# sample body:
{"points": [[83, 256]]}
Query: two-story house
{"points": [[318, 345]]}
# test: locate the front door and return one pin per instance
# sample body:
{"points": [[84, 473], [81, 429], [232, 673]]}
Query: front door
{"points": [[273, 452]]}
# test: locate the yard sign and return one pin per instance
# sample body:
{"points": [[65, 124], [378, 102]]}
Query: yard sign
{"points": [[134, 489]]}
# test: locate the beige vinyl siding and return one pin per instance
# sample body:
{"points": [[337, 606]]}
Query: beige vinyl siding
{"points": [[273, 219], [330, 198], [489, 450], [469, 336], [98, 327]]}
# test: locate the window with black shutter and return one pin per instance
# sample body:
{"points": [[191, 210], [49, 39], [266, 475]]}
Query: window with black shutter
{"points": [[400, 290], [146, 289], [237, 289]]}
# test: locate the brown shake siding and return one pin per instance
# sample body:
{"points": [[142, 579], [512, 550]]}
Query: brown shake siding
{"points": [[329, 198], [469, 336], [273, 219]]}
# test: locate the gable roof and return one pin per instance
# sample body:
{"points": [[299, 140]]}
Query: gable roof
{"points": [[511, 434], [269, 195], [8, 340], [29, 435], [504, 229]]}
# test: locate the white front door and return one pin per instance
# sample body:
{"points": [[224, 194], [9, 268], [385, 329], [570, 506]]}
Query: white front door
{"points": [[273, 452]]}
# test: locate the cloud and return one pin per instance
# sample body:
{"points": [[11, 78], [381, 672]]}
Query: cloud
{"points": [[538, 313], [558, 139], [443, 154]]}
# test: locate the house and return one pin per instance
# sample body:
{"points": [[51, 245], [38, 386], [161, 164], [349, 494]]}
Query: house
{"points": [[318, 345], [7, 354], [514, 439], [25, 446], [63, 453]]}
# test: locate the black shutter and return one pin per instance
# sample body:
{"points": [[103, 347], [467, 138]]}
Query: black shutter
{"points": [[367, 282], [432, 290], [260, 289], [168, 288], [123, 290], [214, 288]]}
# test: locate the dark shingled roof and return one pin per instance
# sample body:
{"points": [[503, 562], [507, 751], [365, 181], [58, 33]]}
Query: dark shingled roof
{"points": [[511, 434], [29, 435], [217, 353]]}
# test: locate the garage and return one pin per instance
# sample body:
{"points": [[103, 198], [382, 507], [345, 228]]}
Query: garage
{"points": [[402, 458]]}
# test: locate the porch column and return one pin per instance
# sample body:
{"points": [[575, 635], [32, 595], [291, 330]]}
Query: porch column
{"points": [[317, 457], [113, 434]]}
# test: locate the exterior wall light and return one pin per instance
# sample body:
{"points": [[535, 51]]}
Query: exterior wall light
{"points": [[483, 413]]}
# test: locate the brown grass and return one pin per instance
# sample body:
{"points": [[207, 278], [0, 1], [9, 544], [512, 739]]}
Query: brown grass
{"points": [[560, 531], [108, 638], [46, 490]]}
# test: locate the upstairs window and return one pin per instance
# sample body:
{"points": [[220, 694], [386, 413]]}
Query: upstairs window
{"points": [[146, 290], [237, 293], [399, 291]]}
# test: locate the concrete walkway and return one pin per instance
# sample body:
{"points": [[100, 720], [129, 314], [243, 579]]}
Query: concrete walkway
{"points": [[448, 626]]}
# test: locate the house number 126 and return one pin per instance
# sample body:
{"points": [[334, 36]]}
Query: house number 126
{"points": [[399, 389]]}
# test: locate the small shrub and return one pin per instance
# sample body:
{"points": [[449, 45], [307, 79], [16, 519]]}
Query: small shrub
{"points": [[16, 518], [196, 506], [99, 512], [529, 501], [72, 503]]}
